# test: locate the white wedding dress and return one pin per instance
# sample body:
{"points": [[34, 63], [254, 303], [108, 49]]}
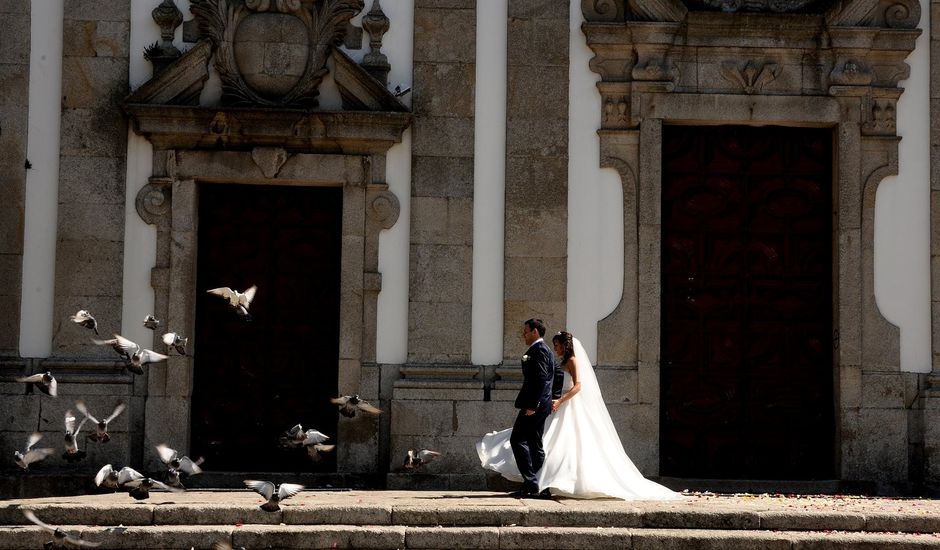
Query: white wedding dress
{"points": [[583, 454]]}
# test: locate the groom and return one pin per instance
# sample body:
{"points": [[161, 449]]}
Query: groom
{"points": [[535, 404]]}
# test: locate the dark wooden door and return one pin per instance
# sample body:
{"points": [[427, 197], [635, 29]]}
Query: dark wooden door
{"points": [[747, 303], [254, 380]]}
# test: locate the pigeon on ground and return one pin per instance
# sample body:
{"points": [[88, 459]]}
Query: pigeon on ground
{"points": [[114, 479], [135, 355], [173, 478], [140, 488], [101, 426], [174, 461], [72, 452], [43, 381], [60, 538], [175, 341], [349, 404], [30, 455], [316, 451], [151, 322], [297, 437], [416, 459], [273, 494], [240, 301], [85, 319]]}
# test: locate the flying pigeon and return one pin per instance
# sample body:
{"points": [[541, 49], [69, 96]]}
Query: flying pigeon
{"points": [[175, 462], [174, 340], [173, 478], [140, 488], [272, 493], [72, 452], [151, 322], [349, 404], [85, 319], [60, 538], [135, 355], [297, 437], [101, 427], [240, 301], [43, 381], [417, 459], [30, 455], [113, 479], [316, 450]]}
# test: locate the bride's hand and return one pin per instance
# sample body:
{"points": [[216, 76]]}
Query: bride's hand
{"points": [[555, 403]]}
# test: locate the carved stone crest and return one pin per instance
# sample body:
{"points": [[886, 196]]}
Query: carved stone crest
{"points": [[260, 67], [751, 77]]}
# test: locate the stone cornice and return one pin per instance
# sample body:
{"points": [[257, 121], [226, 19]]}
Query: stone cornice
{"points": [[348, 132]]}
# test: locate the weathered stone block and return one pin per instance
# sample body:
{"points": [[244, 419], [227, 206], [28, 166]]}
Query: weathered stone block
{"points": [[19, 413], [536, 278], [353, 514], [320, 536], [541, 182], [13, 140], [96, 38], [433, 335], [850, 386], [543, 136], [442, 177], [213, 514], [96, 83], [17, 6], [618, 384], [878, 449], [442, 221], [445, 35], [460, 393], [564, 538], [441, 273], [516, 312], [552, 223], [882, 390], [164, 536], [167, 423], [539, 9], [69, 338], [91, 180], [548, 37], [443, 136], [83, 135], [444, 89], [14, 42], [14, 85], [448, 4], [452, 537], [97, 10], [477, 418], [638, 427], [91, 271], [423, 418]]}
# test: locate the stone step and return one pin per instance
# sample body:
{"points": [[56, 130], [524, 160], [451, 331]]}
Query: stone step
{"points": [[388, 537]]}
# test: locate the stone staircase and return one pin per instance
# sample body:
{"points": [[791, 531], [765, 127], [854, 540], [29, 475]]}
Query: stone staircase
{"points": [[436, 520]]}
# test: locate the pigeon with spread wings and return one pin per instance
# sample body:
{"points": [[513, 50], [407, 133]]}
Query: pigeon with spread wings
{"points": [[29, 454], [85, 319], [349, 404], [101, 426], [43, 381], [174, 461], [416, 459], [113, 479], [176, 342], [72, 452], [60, 537], [134, 354], [239, 301], [274, 495]]}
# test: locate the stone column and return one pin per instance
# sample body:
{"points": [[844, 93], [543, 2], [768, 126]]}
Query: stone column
{"points": [[14, 114], [90, 248], [536, 168], [442, 191]]}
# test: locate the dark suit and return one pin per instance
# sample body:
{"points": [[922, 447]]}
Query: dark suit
{"points": [[538, 375]]}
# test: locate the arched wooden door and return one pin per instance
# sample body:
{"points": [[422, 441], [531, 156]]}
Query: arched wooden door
{"points": [[747, 256], [253, 380]]}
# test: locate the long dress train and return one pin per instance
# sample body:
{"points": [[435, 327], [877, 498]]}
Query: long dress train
{"points": [[583, 454]]}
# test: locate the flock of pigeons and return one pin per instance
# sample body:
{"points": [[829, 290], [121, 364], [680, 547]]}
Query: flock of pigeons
{"points": [[136, 357]]}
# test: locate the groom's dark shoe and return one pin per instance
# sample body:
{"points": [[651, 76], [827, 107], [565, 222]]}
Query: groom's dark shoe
{"points": [[545, 494]]}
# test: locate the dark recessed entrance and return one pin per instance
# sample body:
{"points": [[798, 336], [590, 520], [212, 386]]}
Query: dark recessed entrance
{"points": [[747, 360], [253, 380]]}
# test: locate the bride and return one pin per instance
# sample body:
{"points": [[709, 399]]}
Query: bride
{"points": [[583, 454]]}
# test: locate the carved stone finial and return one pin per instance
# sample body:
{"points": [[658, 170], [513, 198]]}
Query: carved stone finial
{"points": [[161, 54], [376, 23]]}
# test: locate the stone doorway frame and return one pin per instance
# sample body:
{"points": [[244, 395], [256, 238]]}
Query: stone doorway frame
{"points": [[661, 63], [353, 160]]}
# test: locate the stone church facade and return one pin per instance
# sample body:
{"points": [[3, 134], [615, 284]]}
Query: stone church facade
{"points": [[289, 105]]}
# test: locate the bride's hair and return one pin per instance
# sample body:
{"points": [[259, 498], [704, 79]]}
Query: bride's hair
{"points": [[567, 343]]}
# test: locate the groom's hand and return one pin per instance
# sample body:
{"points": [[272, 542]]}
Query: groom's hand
{"points": [[529, 412]]}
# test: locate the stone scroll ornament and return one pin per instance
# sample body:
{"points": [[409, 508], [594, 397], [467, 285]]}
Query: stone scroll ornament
{"points": [[273, 53]]}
